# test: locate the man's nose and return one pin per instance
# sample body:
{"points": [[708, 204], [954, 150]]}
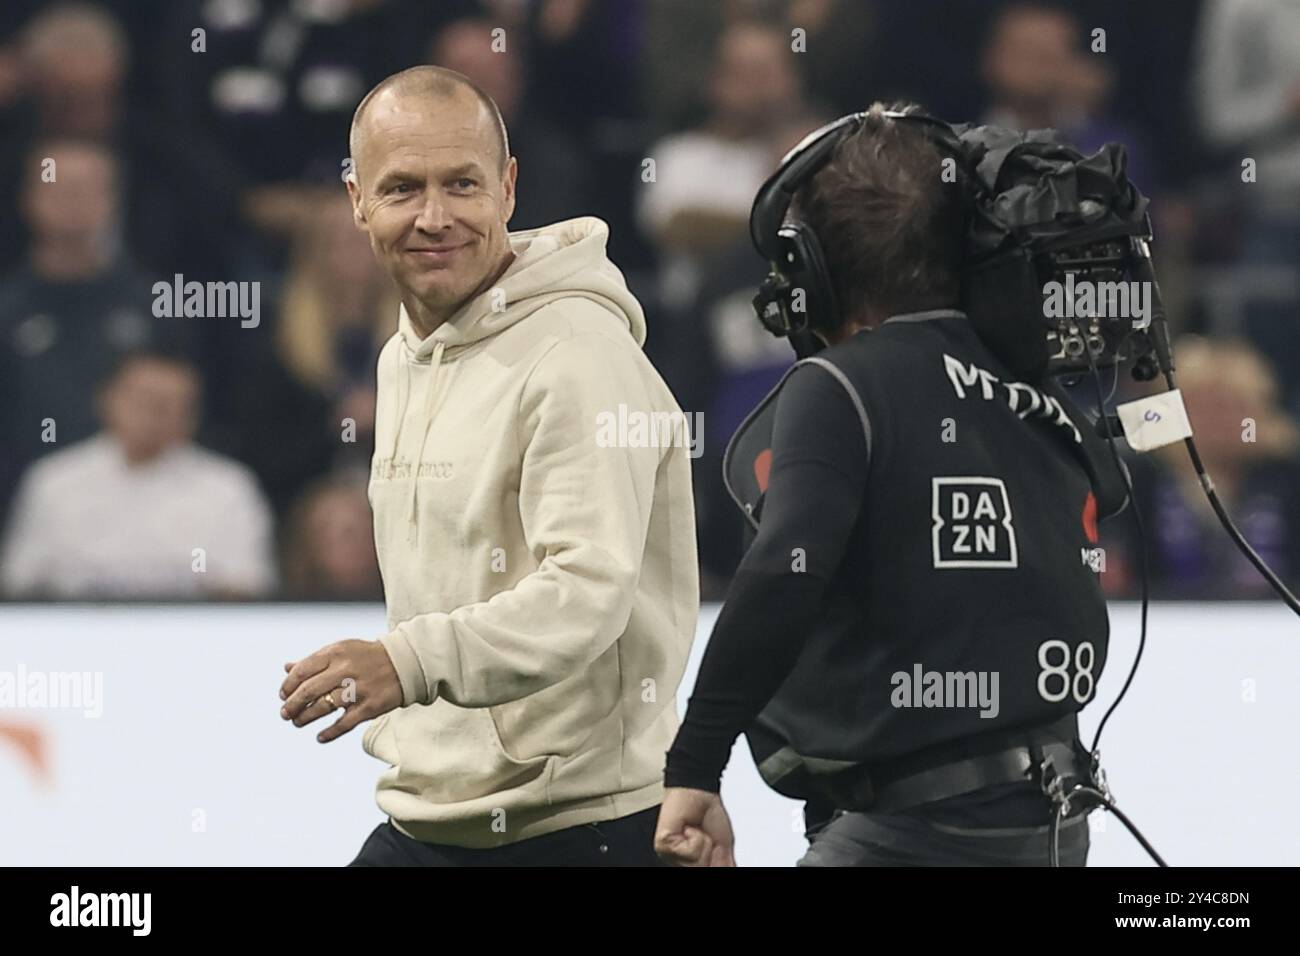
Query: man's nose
{"points": [[433, 215]]}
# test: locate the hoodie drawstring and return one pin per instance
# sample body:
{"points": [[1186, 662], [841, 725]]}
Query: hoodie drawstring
{"points": [[404, 390], [430, 408]]}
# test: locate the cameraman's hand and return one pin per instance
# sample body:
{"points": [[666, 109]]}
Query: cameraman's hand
{"points": [[694, 829]]}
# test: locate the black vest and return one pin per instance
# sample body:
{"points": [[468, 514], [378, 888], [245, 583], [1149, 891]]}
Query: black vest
{"points": [[968, 587]]}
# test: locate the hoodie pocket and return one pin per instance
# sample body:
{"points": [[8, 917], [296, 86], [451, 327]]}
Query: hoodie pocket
{"points": [[449, 754], [577, 715], [539, 769]]}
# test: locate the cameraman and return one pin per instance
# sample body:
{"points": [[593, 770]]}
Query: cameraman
{"points": [[916, 618]]}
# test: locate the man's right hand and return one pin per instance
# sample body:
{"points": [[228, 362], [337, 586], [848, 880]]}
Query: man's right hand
{"points": [[694, 829]]}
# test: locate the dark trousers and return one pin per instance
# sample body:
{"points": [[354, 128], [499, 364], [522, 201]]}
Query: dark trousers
{"points": [[627, 841], [882, 839]]}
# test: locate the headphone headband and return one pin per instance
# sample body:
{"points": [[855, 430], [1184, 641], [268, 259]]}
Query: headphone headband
{"points": [[797, 263]]}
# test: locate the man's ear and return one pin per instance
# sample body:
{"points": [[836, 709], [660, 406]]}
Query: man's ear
{"points": [[358, 210], [508, 189]]}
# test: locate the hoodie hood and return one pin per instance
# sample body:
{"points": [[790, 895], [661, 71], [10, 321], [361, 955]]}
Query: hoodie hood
{"points": [[559, 261]]}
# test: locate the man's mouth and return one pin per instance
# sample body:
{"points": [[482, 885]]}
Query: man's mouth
{"points": [[436, 255]]}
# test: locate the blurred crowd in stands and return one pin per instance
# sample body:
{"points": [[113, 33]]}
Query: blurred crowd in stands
{"points": [[171, 457]]}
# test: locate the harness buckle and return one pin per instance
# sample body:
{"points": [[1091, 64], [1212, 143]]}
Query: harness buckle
{"points": [[1099, 777], [1052, 784]]}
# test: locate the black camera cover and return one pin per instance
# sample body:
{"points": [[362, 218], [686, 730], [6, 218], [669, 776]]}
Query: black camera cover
{"points": [[1032, 189], [1032, 195]]}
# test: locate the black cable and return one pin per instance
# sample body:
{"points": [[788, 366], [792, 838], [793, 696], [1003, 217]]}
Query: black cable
{"points": [[1137, 834], [1142, 550], [1054, 848], [1054, 829], [1238, 538]]}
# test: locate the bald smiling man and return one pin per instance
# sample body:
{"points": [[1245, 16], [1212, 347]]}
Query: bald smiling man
{"points": [[541, 580]]}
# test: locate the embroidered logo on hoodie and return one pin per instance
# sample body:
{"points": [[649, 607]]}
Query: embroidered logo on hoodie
{"points": [[389, 469]]}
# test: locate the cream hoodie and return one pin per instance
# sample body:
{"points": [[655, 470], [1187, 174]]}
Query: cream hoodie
{"points": [[542, 588]]}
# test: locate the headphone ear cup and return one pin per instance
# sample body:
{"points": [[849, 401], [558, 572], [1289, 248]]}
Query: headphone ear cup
{"points": [[811, 275]]}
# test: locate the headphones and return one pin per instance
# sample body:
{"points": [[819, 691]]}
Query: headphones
{"points": [[798, 283]]}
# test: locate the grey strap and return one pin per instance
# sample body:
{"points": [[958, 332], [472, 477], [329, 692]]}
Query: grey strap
{"points": [[853, 395]]}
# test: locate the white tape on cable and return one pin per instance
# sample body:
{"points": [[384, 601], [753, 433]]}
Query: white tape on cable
{"points": [[1155, 421]]}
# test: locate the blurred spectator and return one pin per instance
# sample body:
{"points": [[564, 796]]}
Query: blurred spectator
{"points": [[714, 354], [1039, 75], [698, 202], [585, 62], [272, 92], [1041, 71], [73, 61], [721, 361], [706, 178], [139, 511], [547, 159], [1087, 123], [681, 39], [73, 309], [1026, 65], [843, 40], [329, 545], [1249, 446], [1248, 82], [840, 50], [309, 406]]}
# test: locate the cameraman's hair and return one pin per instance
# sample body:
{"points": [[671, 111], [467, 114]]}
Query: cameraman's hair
{"points": [[892, 230]]}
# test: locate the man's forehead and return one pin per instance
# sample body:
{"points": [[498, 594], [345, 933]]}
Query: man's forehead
{"points": [[396, 122], [415, 159]]}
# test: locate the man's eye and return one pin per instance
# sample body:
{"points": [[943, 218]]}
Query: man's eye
{"points": [[465, 183], [404, 187]]}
